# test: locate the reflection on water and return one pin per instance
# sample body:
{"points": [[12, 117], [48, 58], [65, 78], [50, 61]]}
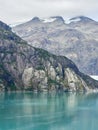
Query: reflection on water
{"points": [[42, 111]]}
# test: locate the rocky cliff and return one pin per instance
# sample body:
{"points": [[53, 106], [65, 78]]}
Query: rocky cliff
{"points": [[23, 67], [76, 39]]}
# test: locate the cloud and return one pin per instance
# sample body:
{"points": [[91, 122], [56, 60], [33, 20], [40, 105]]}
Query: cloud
{"points": [[21, 10]]}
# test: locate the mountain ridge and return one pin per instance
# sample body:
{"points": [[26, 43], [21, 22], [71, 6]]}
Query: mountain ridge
{"points": [[23, 67], [76, 40]]}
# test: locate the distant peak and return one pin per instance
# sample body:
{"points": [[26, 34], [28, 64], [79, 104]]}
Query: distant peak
{"points": [[79, 19], [36, 19], [82, 18]]}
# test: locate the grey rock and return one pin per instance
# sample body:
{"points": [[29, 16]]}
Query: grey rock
{"points": [[23, 67], [77, 40]]}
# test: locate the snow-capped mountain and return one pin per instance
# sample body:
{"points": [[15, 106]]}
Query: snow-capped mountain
{"points": [[78, 19], [76, 38]]}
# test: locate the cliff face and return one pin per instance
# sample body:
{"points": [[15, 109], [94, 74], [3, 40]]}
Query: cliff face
{"points": [[23, 67], [77, 39]]}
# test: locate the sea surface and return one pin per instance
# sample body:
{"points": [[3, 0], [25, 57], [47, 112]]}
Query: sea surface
{"points": [[45, 111]]}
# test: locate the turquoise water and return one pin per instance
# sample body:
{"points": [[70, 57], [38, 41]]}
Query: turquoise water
{"points": [[63, 111]]}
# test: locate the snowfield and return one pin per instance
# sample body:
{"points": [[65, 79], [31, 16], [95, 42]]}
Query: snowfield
{"points": [[94, 77]]}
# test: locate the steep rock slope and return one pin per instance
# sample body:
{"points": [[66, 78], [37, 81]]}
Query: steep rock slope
{"points": [[23, 67], [76, 39]]}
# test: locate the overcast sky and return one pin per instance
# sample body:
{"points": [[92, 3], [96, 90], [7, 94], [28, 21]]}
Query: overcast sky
{"points": [[13, 11]]}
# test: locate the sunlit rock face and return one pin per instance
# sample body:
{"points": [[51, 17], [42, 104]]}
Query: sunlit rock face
{"points": [[76, 38], [23, 67]]}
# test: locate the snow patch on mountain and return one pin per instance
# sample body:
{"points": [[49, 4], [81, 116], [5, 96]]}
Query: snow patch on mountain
{"points": [[94, 77], [48, 20], [72, 20], [17, 23]]}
